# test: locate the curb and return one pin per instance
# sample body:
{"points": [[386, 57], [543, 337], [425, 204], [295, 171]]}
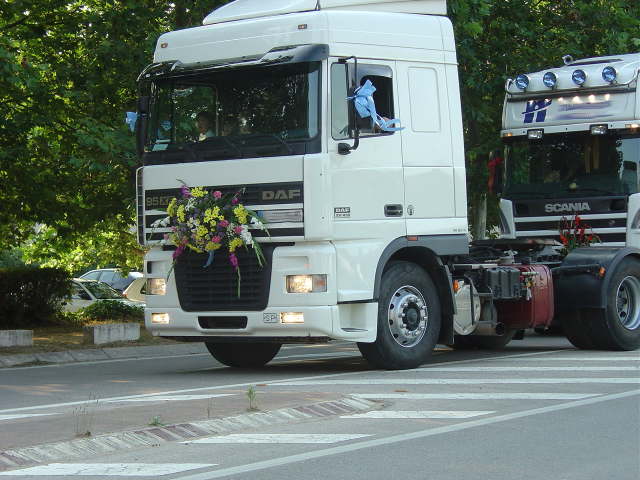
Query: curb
{"points": [[97, 354], [183, 432]]}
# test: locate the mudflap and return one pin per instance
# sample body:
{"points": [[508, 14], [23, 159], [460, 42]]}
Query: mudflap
{"points": [[581, 281]]}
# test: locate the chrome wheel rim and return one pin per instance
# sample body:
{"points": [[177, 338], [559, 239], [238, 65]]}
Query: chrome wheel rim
{"points": [[628, 303], [407, 316]]}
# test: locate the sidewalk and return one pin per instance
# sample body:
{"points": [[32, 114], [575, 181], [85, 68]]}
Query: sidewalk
{"points": [[97, 354]]}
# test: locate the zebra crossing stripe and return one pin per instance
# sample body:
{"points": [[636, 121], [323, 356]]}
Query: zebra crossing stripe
{"points": [[107, 469], [635, 358], [476, 396], [170, 398], [432, 414], [25, 415], [273, 438], [529, 369], [459, 381]]}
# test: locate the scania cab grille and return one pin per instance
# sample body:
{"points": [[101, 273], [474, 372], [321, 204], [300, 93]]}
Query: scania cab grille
{"points": [[215, 287]]}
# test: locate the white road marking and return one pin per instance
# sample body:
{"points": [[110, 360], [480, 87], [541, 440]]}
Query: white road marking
{"points": [[476, 396], [273, 438], [231, 385], [456, 381], [171, 398], [420, 414], [577, 359], [529, 369], [107, 469], [420, 434], [25, 415]]}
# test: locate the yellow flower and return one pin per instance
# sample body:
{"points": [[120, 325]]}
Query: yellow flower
{"points": [[180, 213], [171, 208], [235, 243], [211, 214], [201, 231], [212, 246], [198, 192], [241, 214], [195, 249]]}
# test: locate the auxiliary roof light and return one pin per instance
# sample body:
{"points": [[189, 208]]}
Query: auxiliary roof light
{"points": [[579, 77], [609, 74], [535, 134], [599, 129], [522, 82], [550, 79]]}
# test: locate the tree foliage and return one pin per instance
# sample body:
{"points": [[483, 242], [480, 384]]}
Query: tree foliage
{"points": [[500, 39], [68, 70]]}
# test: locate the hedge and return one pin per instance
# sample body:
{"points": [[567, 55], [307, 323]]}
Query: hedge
{"points": [[31, 296], [110, 310]]}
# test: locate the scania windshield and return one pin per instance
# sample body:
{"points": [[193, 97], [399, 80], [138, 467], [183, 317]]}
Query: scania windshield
{"points": [[576, 164], [235, 113]]}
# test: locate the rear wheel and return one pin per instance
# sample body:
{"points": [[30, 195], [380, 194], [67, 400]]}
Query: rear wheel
{"points": [[243, 355], [408, 319], [617, 326]]}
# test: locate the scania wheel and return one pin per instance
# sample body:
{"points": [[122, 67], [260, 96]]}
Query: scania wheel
{"points": [[243, 355], [408, 319]]}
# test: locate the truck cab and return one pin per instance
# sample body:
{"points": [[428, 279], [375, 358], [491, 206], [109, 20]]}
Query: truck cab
{"points": [[572, 147]]}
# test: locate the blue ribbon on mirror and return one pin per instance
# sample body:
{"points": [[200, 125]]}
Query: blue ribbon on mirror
{"points": [[366, 107], [209, 260]]}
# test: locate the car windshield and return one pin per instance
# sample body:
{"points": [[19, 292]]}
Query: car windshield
{"points": [[234, 113], [101, 290], [572, 164]]}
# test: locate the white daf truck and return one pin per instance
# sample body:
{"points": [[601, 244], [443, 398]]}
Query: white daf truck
{"points": [[366, 216]]}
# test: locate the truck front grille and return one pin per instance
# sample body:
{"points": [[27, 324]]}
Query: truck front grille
{"points": [[215, 288]]}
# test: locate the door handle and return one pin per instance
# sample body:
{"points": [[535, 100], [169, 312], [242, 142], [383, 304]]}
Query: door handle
{"points": [[394, 210]]}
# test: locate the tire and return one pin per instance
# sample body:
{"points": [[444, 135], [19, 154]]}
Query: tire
{"points": [[482, 342], [407, 292], [618, 326], [243, 355]]}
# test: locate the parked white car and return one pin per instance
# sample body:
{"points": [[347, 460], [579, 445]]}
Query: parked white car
{"points": [[85, 292], [137, 290], [113, 277]]}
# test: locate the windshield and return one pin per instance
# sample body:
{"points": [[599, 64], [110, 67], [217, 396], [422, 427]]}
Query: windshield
{"points": [[240, 112], [572, 164], [101, 290]]}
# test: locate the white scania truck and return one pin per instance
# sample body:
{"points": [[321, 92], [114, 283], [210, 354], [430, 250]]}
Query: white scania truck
{"points": [[367, 225]]}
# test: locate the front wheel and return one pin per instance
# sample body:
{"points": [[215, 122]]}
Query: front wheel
{"points": [[408, 319], [243, 355]]}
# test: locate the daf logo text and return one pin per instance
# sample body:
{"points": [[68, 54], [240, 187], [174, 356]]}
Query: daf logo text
{"points": [[292, 194]]}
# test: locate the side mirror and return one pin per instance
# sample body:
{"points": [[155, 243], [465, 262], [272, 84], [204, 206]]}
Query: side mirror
{"points": [[345, 148], [142, 124]]}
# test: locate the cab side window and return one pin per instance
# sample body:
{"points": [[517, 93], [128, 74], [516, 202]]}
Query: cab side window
{"points": [[343, 120]]}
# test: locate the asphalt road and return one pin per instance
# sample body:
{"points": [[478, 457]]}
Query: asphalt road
{"points": [[540, 409]]}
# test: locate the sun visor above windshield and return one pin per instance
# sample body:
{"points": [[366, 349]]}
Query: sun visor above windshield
{"points": [[245, 9]]}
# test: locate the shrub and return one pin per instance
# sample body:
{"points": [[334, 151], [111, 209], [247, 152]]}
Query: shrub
{"points": [[31, 296], [105, 310]]}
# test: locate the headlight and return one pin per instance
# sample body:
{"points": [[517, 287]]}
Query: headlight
{"points": [[550, 79], [522, 82], [609, 74], [306, 283], [156, 286], [579, 77]]}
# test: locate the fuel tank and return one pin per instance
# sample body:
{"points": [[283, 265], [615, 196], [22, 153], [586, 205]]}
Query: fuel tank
{"points": [[535, 309]]}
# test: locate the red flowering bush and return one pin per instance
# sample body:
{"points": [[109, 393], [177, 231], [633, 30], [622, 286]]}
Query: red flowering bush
{"points": [[576, 233]]}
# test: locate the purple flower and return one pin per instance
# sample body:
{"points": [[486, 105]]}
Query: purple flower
{"points": [[235, 201], [238, 230], [178, 251], [223, 223], [186, 193], [233, 260], [217, 194]]}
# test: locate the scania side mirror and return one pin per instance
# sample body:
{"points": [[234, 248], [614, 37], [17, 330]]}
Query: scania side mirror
{"points": [[345, 148], [142, 124]]}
